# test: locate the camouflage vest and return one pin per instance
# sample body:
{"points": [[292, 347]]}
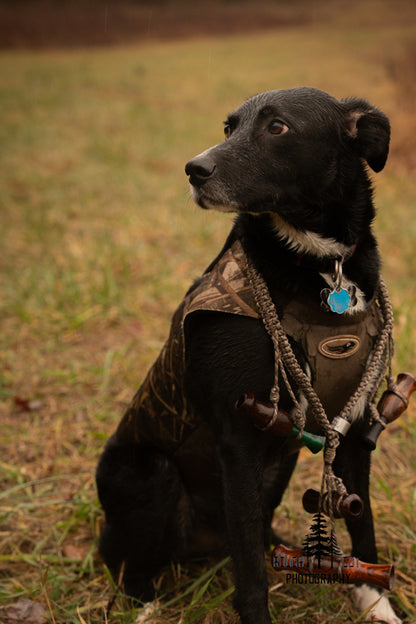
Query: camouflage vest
{"points": [[337, 349]]}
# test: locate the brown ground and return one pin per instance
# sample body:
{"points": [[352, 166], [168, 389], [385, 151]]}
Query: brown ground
{"points": [[45, 23], [72, 23]]}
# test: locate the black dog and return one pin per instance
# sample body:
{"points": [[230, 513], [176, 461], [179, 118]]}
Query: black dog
{"points": [[185, 471]]}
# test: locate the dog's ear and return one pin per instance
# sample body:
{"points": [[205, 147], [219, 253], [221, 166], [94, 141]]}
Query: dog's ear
{"points": [[370, 129]]}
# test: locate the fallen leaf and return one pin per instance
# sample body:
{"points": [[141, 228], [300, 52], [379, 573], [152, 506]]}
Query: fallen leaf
{"points": [[34, 405], [24, 611], [26, 404], [75, 552], [20, 402]]}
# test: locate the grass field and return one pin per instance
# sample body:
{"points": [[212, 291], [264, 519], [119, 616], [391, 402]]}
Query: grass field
{"points": [[100, 239]]}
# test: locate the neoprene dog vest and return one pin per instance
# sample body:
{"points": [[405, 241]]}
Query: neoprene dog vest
{"points": [[337, 348]]}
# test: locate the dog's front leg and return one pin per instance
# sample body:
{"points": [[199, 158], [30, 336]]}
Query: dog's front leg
{"points": [[352, 464], [241, 465], [227, 355]]}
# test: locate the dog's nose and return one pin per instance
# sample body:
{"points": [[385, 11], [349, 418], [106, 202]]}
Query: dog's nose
{"points": [[199, 169]]}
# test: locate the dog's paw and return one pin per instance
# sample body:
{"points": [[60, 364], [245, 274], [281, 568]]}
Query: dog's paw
{"points": [[146, 613], [375, 605]]}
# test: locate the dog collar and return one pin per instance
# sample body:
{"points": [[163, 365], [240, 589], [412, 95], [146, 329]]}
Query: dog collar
{"points": [[325, 264]]}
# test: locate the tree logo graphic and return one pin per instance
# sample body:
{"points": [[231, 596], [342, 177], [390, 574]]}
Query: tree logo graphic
{"points": [[318, 544]]}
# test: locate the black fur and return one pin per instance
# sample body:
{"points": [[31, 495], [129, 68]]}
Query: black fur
{"points": [[314, 176]]}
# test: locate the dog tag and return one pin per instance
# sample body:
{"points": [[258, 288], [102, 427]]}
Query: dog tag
{"points": [[339, 300]]}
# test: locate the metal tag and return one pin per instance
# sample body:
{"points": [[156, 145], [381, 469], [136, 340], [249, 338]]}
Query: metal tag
{"points": [[339, 300]]}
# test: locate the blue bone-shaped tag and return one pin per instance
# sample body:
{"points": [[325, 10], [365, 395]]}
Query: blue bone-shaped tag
{"points": [[339, 300]]}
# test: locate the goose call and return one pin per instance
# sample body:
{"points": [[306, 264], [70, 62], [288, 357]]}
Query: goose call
{"points": [[262, 416], [347, 506], [390, 407]]}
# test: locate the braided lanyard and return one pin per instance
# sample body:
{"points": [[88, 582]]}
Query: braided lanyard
{"points": [[286, 363]]}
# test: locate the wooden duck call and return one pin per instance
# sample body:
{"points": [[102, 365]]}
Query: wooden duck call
{"points": [[390, 407], [262, 416], [347, 506], [332, 569]]}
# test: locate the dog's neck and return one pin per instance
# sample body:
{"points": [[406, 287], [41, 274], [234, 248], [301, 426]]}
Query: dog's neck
{"points": [[303, 262], [324, 249]]}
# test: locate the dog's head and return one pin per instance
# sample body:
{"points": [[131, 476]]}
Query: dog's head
{"points": [[291, 152]]}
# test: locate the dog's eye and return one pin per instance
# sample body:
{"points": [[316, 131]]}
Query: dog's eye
{"points": [[227, 130], [278, 127]]}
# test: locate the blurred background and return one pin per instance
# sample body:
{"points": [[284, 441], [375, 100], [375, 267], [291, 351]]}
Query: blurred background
{"points": [[102, 104]]}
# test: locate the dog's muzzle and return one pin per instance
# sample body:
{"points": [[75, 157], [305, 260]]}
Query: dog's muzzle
{"points": [[207, 184], [200, 169]]}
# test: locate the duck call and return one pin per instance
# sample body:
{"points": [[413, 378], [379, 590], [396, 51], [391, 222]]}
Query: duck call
{"points": [[390, 407], [332, 569], [343, 506], [262, 415]]}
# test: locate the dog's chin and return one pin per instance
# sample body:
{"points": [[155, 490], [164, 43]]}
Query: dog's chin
{"points": [[218, 207], [210, 204]]}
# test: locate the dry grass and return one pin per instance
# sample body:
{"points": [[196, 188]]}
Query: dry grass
{"points": [[100, 240]]}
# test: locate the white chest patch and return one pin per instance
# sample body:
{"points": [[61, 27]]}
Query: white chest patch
{"points": [[307, 242]]}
